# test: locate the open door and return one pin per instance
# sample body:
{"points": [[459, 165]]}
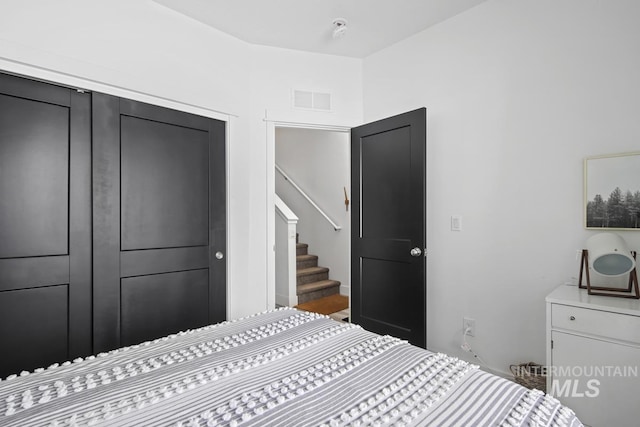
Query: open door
{"points": [[388, 286]]}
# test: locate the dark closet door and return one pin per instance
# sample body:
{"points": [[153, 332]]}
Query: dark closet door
{"points": [[159, 221], [45, 224]]}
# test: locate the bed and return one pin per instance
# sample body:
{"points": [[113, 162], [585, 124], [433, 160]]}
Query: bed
{"points": [[283, 367]]}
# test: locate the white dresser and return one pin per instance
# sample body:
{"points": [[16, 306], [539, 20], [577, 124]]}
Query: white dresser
{"points": [[593, 356]]}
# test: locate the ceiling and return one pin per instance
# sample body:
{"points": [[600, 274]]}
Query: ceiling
{"points": [[307, 25]]}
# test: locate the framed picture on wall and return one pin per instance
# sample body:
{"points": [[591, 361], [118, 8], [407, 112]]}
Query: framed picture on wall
{"points": [[612, 191]]}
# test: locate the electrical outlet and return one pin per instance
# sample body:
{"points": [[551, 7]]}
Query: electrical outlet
{"points": [[469, 326]]}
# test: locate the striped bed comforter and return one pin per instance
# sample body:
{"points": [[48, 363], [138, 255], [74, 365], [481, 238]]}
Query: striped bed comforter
{"points": [[280, 368]]}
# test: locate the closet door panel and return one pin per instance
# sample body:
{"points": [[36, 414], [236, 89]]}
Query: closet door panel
{"points": [[165, 171], [45, 224], [141, 110], [34, 178], [157, 305], [156, 200], [38, 91], [33, 327], [106, 221], [80, 227], [217, 222], [139, 263], [24, 273]]}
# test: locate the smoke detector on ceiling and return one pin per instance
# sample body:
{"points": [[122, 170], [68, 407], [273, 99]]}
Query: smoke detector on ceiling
{"points": [[339, 28]]}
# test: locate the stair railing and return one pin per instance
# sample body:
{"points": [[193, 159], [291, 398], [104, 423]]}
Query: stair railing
{"points": [[285, 262], [314, 204]]}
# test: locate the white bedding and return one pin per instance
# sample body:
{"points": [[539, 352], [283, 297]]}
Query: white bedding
{"points": [[280, 368]]}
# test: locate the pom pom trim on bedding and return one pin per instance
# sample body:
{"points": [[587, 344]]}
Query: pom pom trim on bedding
{"points": [[278, 368]]}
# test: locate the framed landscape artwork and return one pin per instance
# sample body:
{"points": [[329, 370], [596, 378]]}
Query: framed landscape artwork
{"points": [[612, 192]]}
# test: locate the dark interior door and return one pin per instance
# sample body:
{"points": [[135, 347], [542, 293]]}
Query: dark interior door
{"points": [[45, 224], [159, 219], [388, 286]]}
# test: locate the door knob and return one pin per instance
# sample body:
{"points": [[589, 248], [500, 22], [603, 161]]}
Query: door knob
{"points": [[219, 255], [416, 251]]}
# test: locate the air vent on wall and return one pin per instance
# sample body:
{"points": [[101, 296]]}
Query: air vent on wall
{"points": [[308, 100]]}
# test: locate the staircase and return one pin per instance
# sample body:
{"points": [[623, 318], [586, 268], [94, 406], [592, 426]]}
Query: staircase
{"points": [[312, 281]]}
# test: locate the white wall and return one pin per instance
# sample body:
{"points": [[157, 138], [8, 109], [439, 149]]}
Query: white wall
{"points": [[518, 93], [276, 73], [318, 161], [142, 50]]}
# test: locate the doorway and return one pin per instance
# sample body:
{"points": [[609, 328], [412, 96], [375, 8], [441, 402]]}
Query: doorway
{"points": [[388, 270], [312, 178], [329, 191]]}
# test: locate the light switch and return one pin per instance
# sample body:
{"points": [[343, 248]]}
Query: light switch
{"points": [[456, 223]]}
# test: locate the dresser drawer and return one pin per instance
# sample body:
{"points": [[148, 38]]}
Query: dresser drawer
{"points": [[596, 322]]}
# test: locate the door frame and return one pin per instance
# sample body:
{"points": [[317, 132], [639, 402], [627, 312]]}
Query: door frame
{"points": [[271, 124], [84, 84]]}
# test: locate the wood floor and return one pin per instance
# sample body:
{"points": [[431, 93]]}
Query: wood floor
{"points": [[326, 305]]}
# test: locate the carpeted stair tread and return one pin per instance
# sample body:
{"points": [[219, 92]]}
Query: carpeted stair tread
{"points": [[311, 270], [316, 286], [306, 261], [302, 248], [311, 274]]}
